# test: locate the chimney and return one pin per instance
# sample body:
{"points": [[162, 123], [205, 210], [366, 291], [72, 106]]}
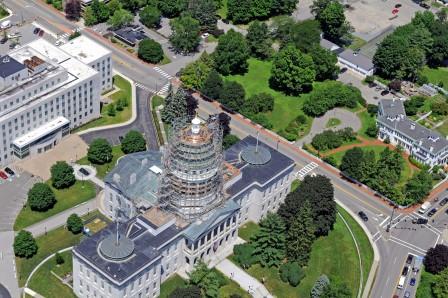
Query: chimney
{"points": [[144, 162], [116, 178], [132, 178], [5, 59]]}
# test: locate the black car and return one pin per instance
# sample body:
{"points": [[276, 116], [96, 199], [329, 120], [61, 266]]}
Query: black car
{"points": [[398, 5], [432, 212], [363, 216], [409, 259], [443, 202], [424, 5], [84, 171], [36, 30], [420, 221], [3, 40], [120, 138], [384, 92], [344, 69], [10, 172], [405, 271]]}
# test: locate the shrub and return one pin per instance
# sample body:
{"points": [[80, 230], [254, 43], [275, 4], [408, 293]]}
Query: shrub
{"points": [[62, 175], [41, 197], [372, 109], [59, 259], [74, 224], [330, 160], [263, 120], [291, 273], [319, 286], [436, 259], [369, 79], [332, 139], [416, 163], [111, 110], [150, 51], [132, 142], [243, 254], [229, 140], [372, 130], [24, 245], [100, 152]]}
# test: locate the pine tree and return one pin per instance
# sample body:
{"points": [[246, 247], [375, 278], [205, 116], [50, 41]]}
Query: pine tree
{"points": [[301, 236], [319, 286], [213, 85], [269, 242], [176, 105]]}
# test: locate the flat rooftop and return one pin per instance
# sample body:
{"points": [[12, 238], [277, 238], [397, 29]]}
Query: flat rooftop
{"points": [[41, 131], [85, 49]]}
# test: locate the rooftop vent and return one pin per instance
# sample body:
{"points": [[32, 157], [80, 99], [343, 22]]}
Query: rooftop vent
{"points": [[5, 59], [412, 126], [144, 162], [156, 170], [132, 178], [116, 178]]}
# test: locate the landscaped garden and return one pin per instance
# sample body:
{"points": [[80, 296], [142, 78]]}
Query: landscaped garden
{"points": [[119, 109], [437, 76], [3, 12], [76, 194]]}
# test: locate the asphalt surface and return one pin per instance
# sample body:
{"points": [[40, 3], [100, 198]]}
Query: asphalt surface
{"points": [[143, 123], [4, 293]]}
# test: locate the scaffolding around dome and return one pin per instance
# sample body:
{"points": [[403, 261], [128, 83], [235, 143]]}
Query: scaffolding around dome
{"points": [[192, 180]]}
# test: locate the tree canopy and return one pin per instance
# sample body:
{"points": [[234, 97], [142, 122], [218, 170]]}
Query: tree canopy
{"points": [[258, 40], [74, 224], [213, 85], [62, 175], [24, 245], [419, 186], [247, 10], [206, 279], [232, 95], [333, 23], [269, 242], [178, 105], [436, 259], [150, 16], [440, 284], [185, 34], [305, 35], [205, 12], [120, 18], [195, 74], [132, 142], [100, 152], [41, 197], [73, 9], [150, 51], [231, 53], [324, 63]]}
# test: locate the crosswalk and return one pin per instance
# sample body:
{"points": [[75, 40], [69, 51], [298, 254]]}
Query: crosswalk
{"points": [[163, 73], [64, 36], [162, 91], [306, 170]]}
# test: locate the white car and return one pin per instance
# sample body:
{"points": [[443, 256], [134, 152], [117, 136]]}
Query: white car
{"points": [[5, 24], [59, 42], [205, 35]]}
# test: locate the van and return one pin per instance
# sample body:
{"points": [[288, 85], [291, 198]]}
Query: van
{"points": [[401, 282], [424, 207]]}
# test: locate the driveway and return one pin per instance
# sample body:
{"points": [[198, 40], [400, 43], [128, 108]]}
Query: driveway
{"points": [[143, 123], [348, 119]]}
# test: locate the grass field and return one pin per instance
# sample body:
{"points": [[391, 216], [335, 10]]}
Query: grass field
{"points": [[121, 116], [366, 121], [3, 12], [48, 244], [170, 285], [334, 255], [46, 284], [256, 80], [248, 230], [222, 11], [78, 193], [437, 75], [102, 170], [424, 286], [357, 43]]}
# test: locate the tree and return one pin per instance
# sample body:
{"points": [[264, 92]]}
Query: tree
{"points": [[372, 109], [120, 18], [111, 110], [304, 35], [205, 12], [59, 259], [413, 105], [318, 7], [269, 242], [333, 23], [240, 12], [172, 8], [229, 140], [100, 152], [114, 5], [436, 259], [291, 273], [73, 9], [301, 236], [324, 63], [292, 72], [418, 187], [258, 103], [440, 284], [351, 164], [74, 224], [243, 254], [150, 51], [100, 11], [258, 40], [283, 7], [178, 105], [206, 279], [89, 17], [24, 245], [319, 286], [62, 175], [195, 74], [185, 36], [336, 290], [231, 53], [224, 122], [213, 85], [372, 130], [232, 95], [41, 197], [150, 17], [187, 292], [132, 5], [132, 142]]}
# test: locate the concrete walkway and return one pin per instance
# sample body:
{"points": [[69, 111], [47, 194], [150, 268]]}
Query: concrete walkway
{"points": [[8, 275], [246, 282], [348, 119]]}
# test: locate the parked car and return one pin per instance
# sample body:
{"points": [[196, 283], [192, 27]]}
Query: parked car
{"points": [[424, 5], [384, 92], [363, 216], [407, 294], [409, 259], [432, 212], [405, 271], [344, 69], [3, 175], [36, 30], [3, 40], [398, 5], [84, 172], [412, 282], [41, 33], [9, 172], [443, 201], [420, 221]]}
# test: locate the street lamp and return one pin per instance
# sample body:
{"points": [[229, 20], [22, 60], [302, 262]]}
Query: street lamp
{"points": [[391, 217]]}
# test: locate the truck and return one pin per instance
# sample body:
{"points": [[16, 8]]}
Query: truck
{"points": [[401, 282], [417, 264], [424, 207]]}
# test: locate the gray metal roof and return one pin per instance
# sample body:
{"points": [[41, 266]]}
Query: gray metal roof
{"points": [[394, 116], [9, 66], [326, 44], [116, 247], [251, 173], [137, 166], [360, 60]]}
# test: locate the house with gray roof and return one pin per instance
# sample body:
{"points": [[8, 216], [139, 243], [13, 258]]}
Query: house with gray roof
{"points": [[425, 145]]}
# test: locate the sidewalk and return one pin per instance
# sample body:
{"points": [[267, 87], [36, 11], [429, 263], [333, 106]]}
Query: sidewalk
{"points": [[7, 264], [243, 279]]}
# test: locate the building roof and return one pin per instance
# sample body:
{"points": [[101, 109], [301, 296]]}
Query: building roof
{"points": [[360, 60], [394, 116], [134, 175], [85, 49], [146, 248], [41, 131], [326, 44], [253, 173], [129, 34], [9, 66]]}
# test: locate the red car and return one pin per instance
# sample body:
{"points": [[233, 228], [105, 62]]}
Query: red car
{"points": [[41, 32], [3, 175]]}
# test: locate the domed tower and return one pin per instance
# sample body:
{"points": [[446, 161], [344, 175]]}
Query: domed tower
{"points": [[192, 179]]}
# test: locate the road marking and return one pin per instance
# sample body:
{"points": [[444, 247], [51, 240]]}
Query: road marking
{"points": [[144, 87], [163, 73], [164, 89], [381, 236], [306, 170], [353, 196], [386, 219], [408, 245], [374, 235]]}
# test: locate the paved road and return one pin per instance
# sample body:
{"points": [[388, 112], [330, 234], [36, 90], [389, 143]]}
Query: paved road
{"points": [[4, 293], [348, 119], [142, 123]]}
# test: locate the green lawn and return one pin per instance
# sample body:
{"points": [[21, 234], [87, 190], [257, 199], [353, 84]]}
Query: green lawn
{"points": [[332, 122], [357, 43], [256, 80], [443, 129], [334, 255], [46, 284], [222, 11], [48, 244], [424, 286], [170, 285], [102, 170], [3, 12], [295, 184], [248, 230], [366, 121], [436, 75], [78, 193], [121, 116], [157, 101]]}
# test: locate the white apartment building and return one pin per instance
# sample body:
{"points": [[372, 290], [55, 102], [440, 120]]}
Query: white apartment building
{"points": [[44, 92], [93, 54]]}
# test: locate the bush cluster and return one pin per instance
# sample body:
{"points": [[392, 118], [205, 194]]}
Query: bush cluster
{"points": [[330, 139]]}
